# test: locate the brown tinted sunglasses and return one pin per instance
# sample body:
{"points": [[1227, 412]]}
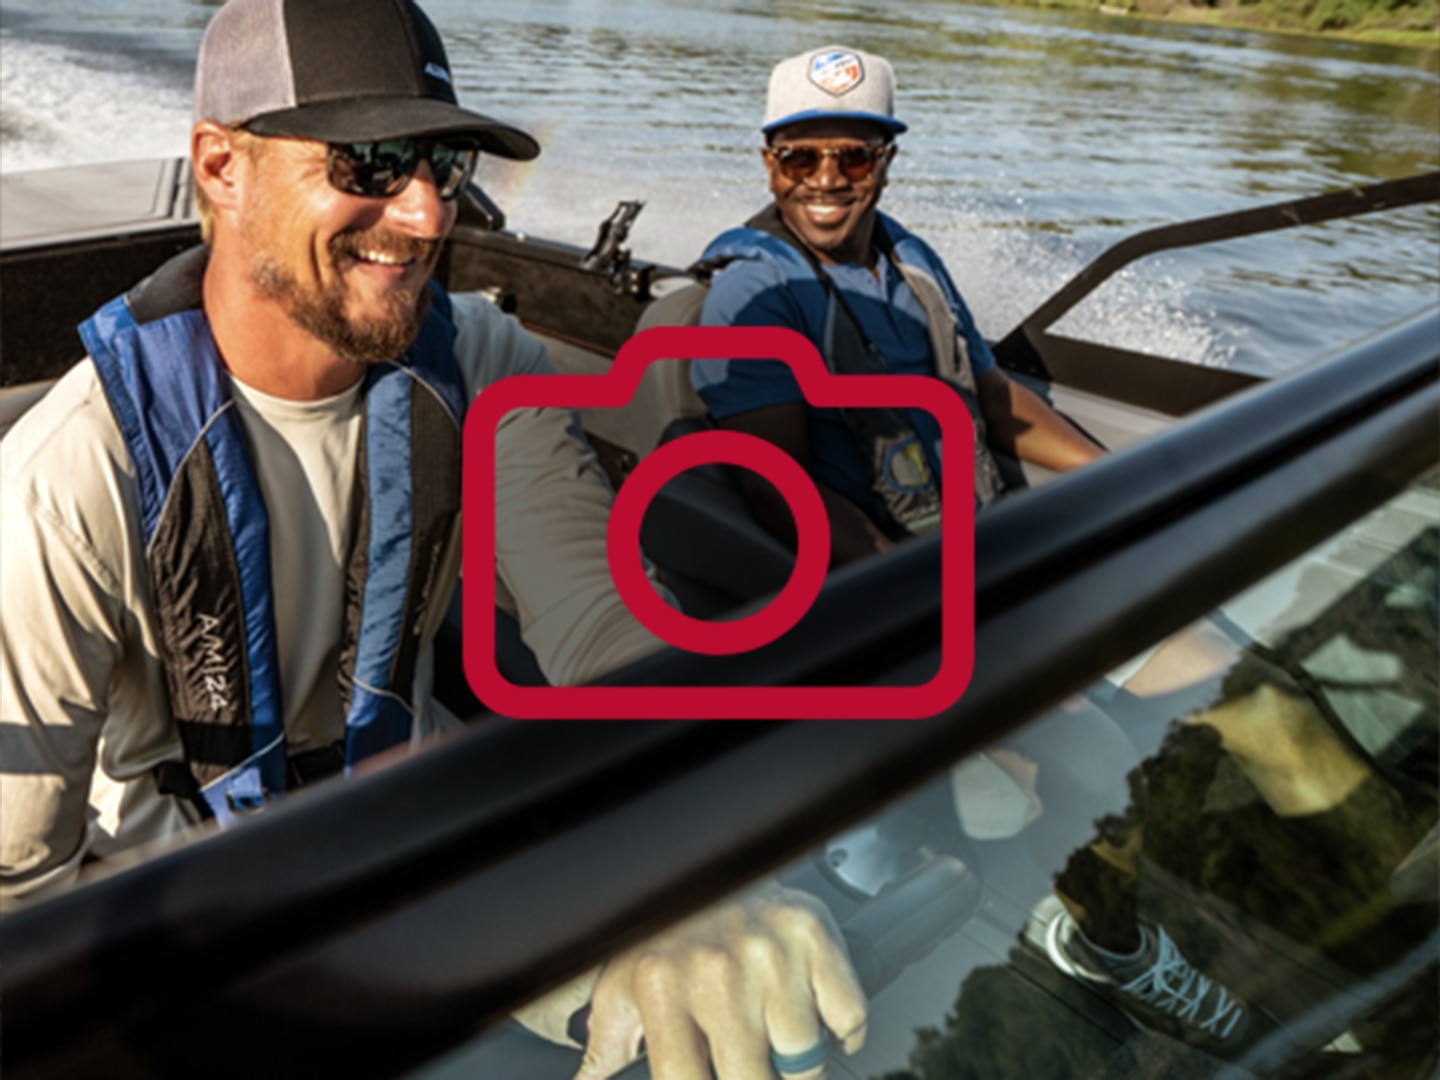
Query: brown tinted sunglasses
{"points": [[799, 163]]}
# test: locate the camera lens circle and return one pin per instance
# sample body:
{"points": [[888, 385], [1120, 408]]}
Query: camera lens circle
{"points": [[812, 528]]}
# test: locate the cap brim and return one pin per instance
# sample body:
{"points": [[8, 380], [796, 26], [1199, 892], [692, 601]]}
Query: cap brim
{"points": [[366, 120], [889, 123]]}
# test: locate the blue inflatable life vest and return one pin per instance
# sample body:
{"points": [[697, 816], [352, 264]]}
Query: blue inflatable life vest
{"points": [[885, 438], [206, 535]]}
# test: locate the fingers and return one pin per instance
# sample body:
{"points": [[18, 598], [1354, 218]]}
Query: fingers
{"points": [[839, 998], [663, 984], [724, 988], [614, 1032], [795, 1034], [731, 986], [807, 1064], [792, 1018], [641, 1004]]}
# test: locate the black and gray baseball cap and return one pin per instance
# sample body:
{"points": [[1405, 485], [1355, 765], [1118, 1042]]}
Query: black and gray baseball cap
{"points": [[833, 83], [338, 71]]}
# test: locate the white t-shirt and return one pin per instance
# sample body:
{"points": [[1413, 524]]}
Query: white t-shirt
{"points": [[83, 707]]}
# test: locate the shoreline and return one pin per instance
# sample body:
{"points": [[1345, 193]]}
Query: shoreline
{"points": [[1263, 19]]}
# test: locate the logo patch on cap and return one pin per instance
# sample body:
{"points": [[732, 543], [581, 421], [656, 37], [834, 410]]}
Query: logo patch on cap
{"points": [[435, 71], [836, 72]]}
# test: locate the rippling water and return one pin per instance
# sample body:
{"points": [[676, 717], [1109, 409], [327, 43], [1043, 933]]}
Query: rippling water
{"points": [[1037, 139]]}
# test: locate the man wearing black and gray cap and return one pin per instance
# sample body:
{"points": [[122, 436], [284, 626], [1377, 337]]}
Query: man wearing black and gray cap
{"points": [[224, 527], [874, 298]]}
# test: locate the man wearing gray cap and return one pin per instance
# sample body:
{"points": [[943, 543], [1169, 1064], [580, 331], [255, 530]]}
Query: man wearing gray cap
{"points": [[222, 527], [225, 529], [874, 298]]}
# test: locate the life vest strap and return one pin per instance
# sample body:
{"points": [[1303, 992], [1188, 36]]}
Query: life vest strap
{"points": [[174, 778]]}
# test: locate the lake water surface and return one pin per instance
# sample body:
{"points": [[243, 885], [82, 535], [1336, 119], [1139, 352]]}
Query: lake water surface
{"points": [[1037, 139]]}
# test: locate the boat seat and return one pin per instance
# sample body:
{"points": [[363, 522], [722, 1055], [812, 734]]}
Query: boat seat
{"points": [[698, 528], [665, 395], [679, 306]]}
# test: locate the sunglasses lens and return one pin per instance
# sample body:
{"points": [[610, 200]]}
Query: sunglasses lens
{"points": [[857, 162], [373, 169], [799, 163], [453, 167], [378, 170]]}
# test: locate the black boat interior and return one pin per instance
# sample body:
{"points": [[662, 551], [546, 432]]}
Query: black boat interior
{"points": [[698, 531]]}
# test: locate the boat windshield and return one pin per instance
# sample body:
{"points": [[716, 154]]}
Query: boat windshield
{"points": [[1226, 849]]}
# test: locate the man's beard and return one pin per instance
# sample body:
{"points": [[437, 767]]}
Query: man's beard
{"points": [[320, 310]]}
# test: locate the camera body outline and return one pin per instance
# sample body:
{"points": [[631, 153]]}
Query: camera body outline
{"points": [[819, 387]]}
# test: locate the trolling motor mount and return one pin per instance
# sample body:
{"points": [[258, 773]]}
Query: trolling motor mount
{"points": [[611, 258]]}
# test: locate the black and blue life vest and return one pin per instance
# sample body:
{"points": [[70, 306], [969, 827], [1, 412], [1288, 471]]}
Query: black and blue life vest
{"points": [[207, 538], [907, 498]]}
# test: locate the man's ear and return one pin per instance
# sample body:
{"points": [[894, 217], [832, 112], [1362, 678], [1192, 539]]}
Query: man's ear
{"points": [[772, 171], [217, 161], [887, 158]]}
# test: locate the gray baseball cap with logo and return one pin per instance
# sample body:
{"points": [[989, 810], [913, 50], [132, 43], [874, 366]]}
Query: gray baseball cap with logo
{"points": [[833, 83], [339, 71]]}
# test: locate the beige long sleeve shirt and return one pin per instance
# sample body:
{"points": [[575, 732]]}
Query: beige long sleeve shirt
{"points": [[83, 709]]}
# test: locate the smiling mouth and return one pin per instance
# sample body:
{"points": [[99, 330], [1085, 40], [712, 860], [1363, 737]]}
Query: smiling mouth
{"points": [[389, 251], [383, 258], [822, 211]]}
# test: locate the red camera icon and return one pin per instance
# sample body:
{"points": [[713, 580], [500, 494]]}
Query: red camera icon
{"points": [[821, 388]]}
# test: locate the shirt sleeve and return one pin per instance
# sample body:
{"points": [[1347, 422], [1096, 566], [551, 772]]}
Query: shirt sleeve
{"points": [[748, 292], [552, 509], [60, 640]]}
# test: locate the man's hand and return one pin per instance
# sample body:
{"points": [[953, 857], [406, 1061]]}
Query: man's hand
{"points": [[767, 971]]}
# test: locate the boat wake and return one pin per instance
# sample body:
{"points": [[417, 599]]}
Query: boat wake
{"points": [[61, 109], [68, 105]]}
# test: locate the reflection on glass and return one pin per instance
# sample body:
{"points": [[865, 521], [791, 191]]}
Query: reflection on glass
{"points": [[1220, 860], [1267, 894]]}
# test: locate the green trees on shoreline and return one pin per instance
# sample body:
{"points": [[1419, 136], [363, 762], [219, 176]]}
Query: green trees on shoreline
{"points": [[1413, 22]]}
